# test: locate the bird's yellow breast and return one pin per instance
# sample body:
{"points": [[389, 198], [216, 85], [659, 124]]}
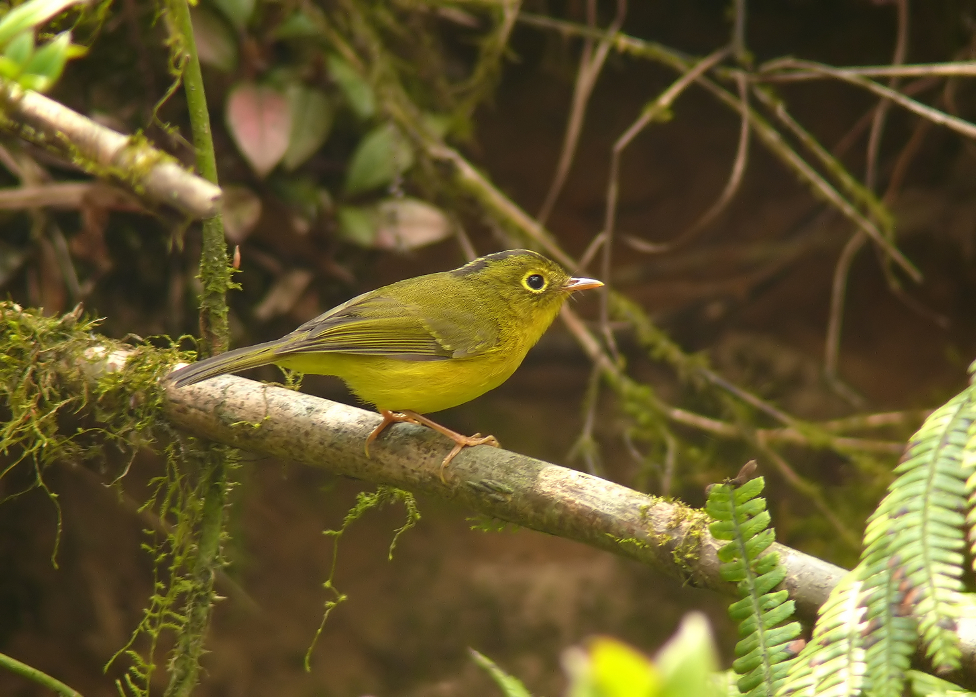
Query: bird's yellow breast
{"points": [[420, 386]]}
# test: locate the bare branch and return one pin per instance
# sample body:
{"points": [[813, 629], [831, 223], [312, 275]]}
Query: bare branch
{"points": [[591, 64]]}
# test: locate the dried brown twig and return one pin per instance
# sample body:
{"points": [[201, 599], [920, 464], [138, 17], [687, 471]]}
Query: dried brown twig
{"points": [[591, 64]]}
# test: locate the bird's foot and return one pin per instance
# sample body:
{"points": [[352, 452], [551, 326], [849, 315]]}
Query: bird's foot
{"points": [[389, 417], [460, 441]]}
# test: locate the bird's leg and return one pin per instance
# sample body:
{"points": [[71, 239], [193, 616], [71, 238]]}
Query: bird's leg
{"points": [[459, 440], [389, 417]]}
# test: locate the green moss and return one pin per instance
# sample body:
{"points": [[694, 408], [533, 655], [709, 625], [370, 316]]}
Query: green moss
{"points": [[688, 549], [65, 405], [47, 384], [383, 496]]}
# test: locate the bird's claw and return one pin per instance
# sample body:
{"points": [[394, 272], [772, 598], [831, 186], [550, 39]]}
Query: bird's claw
{"points": [[467, 442]]}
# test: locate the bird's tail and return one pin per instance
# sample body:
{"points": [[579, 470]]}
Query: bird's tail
{"points": [[229, 362]]}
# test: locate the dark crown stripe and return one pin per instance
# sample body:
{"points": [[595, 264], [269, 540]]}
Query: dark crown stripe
{"points": [[480, 263]]}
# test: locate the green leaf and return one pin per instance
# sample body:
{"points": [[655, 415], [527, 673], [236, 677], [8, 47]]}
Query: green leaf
{"points": [[49, 60], [833, 664], [31, 15], [239, 12], [688, 662], [765, 651], [312, 114], [511, 687], [358, 92], [358, 224], [918, 532], [382, 156], [296, 25], [20, 50], [216, 42]]}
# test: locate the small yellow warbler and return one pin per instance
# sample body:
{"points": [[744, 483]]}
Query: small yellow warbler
{"points": [[422, 344]]}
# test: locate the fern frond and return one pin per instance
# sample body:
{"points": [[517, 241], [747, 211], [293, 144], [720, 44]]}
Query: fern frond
{"points": [[917, 531], [925, 685], [891, 632], [764, 651], [969, 466], [833, 663]]}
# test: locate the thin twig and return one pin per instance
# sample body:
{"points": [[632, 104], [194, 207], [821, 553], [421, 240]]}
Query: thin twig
{"points": [[739, 50], [774, 141], [625, 384], [728, 193], [882, 420], [941, 118], [853, 189], [769, 72], [864, 122], [650, 113], [464, 242], [838, 292], [814, 495], [591, 64], [854, 245]]}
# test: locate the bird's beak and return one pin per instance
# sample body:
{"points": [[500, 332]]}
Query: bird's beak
{"points": [[576, 284]]}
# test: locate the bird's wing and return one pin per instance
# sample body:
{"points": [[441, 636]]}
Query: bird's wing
{"points": [[377, 325]]}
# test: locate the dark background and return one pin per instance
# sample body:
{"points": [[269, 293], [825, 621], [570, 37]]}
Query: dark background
{"points": [[518, 596]]}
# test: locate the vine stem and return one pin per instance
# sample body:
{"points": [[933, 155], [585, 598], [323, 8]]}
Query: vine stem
{"points": [[214, 270], [215, 274], [31, 673]]}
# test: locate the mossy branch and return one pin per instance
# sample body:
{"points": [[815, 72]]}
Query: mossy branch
{"points": [[667, 536], [150, 174]]}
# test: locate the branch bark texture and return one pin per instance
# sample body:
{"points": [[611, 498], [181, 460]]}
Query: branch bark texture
{"points": [[150, 173], [665, 535], [670, 537]]}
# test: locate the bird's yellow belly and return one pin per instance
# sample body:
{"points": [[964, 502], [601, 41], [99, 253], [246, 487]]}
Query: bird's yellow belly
{"points": [[420, 386]]}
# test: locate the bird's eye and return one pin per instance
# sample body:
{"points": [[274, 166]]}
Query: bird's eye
{"points": [[534, 282]]}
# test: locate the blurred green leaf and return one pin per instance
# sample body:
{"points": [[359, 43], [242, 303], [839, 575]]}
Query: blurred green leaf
{"points": [[510, 686], [312, 114], [295, 26], [688, 663], [438, 124], [259, 118], [31, 15], [239, 12], [9, 69], [358, 92], [383, 155], [216, 43], [241, 209], [20, 50], [49, 60], [357, 224]]}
